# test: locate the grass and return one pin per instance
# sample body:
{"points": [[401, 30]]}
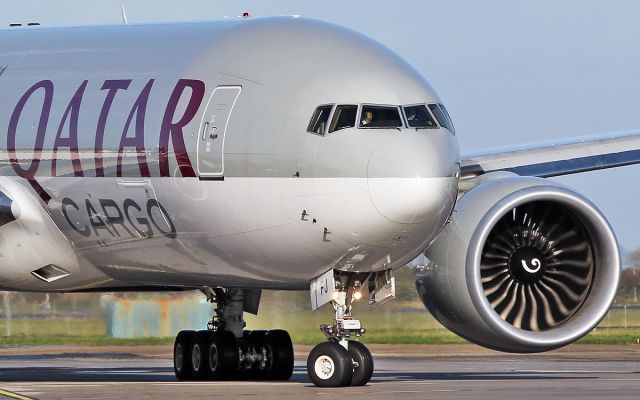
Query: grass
{"points": [[612, 336], [394, 325], [52, 327], [81, 341], [398, 322]]}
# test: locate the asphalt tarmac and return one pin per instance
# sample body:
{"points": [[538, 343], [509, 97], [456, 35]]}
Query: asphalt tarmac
{"points": [[402, 372]]}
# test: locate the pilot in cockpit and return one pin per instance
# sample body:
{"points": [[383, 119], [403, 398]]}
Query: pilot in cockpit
{"points": [[367, 118]]}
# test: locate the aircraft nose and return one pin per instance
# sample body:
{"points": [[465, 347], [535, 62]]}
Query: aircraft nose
{"points": [[413, 178]]}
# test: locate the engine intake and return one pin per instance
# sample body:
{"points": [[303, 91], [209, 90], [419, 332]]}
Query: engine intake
{"points": [[525, 265]]}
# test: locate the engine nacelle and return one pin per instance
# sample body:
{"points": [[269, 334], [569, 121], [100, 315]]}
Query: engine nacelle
{"points": [[525, 265]]}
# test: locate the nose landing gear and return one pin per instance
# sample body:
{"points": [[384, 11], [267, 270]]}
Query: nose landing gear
{"points": [[226, 351], [340, 361]]}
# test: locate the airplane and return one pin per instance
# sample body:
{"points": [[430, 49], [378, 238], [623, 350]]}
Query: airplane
{"points": [[284, 153]]}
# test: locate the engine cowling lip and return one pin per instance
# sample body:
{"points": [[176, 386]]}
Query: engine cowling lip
{"points": [[582, 322]]}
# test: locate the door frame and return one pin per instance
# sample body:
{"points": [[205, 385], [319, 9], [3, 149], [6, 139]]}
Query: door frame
{"points": [[201, 126]]}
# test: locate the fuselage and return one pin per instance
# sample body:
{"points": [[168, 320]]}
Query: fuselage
{"points": [[183, 155]]}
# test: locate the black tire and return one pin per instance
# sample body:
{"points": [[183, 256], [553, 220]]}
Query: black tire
{"points": [[199, 345], [279, 349], [221, 357], [364, 371], [330, 365], [182, 355]]}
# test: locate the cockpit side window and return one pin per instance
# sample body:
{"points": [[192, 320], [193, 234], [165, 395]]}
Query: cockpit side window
{"points": [[380, 117], [446, 114], [419, 117], [442, 116], [343, 117], [320, 119]]}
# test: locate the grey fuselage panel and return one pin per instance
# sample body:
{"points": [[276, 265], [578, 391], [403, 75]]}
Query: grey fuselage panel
{"points": [[156, 178]]}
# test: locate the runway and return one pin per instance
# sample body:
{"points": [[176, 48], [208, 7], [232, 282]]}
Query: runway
{"points": [[418, 372]]}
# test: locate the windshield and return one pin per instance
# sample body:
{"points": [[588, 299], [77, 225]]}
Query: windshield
{"points": [[442, 116], [344, 117], [419, 117], [319, 119], [446, 114], [380, 117]]}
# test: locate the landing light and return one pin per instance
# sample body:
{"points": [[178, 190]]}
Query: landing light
{"points": [[357, 295]]}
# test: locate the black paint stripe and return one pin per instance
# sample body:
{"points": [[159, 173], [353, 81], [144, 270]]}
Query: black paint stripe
{"points": [[211, 178], [40, 190]]}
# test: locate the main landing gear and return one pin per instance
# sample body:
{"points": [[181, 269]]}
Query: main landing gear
{"points": [[340, 361], [225, 351]]}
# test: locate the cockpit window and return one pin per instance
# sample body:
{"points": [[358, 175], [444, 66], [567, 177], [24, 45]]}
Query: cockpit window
{"points": [[380, 117], [320, 119], [343, 117], [442, 116], [446, 114], [419, 117]]}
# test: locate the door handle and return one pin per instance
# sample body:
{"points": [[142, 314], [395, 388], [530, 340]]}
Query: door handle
{"points": [[213, 134]]}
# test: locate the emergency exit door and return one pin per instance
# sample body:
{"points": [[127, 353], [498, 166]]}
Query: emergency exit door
{"points": [[214, 128]]}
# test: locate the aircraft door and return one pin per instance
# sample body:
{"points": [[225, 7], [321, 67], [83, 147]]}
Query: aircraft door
{"points": [[213, 128]]}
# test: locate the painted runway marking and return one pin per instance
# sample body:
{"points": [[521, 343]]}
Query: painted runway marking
{"points": [[124, 372], [13, 395], [563, 371]]}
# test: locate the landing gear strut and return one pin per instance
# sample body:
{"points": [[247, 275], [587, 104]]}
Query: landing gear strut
{"points": [[340, 361], [226, 351]]}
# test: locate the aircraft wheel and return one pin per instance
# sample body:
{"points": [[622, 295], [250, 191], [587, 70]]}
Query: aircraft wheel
{"points": [[221, 356], [199, 345], [182, 355], [279, 349], [330, 365], [361, 355]]}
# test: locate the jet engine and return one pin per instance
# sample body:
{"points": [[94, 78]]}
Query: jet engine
{"points": [[525, 265]]}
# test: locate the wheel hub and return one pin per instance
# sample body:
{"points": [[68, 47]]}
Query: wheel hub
{"points": [[324, 367], [195, 357], [213, 357]]}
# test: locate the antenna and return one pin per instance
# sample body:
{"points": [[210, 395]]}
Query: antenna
{"points": [[124, 15]]}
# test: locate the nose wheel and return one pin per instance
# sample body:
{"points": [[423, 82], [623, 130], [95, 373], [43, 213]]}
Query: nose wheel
{"points": [[363, 363], [331, 365], [340, 361]]}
